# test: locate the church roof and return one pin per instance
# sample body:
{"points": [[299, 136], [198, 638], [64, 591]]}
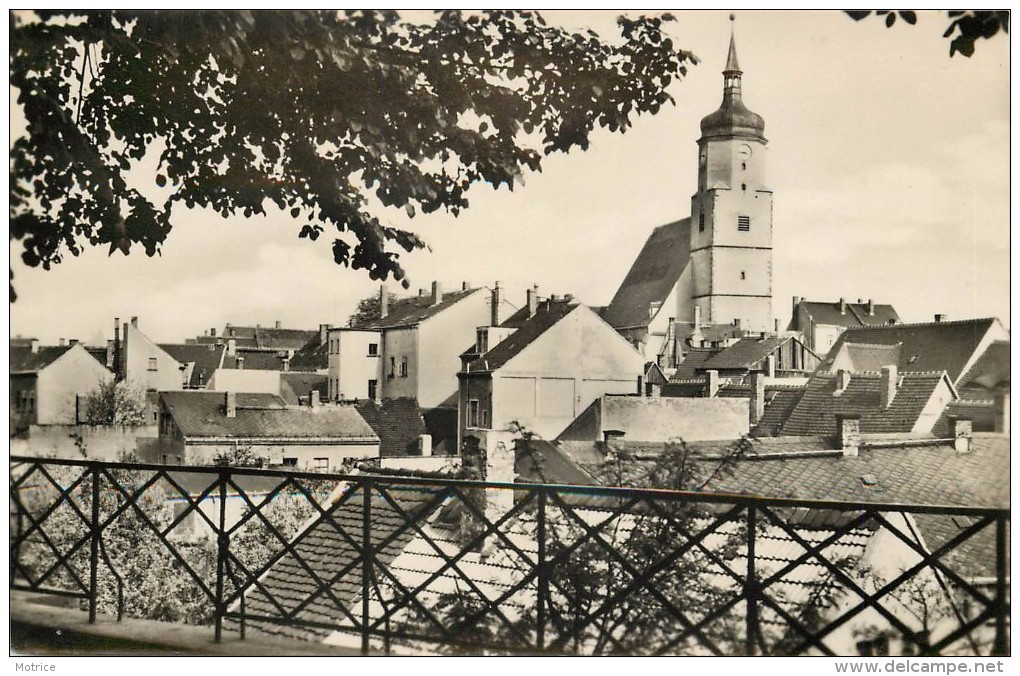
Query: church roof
{"points": [[652, 276]]}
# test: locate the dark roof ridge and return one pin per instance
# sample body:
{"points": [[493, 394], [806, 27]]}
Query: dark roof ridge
{"points": [[366, 468], [873, 344], [919, 324]]}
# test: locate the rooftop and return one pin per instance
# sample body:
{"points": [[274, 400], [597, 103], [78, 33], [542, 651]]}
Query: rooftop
{"points": [[24, 360], [529, 329], [397, 422], [206, 359], [853, 315], [414, 310]]}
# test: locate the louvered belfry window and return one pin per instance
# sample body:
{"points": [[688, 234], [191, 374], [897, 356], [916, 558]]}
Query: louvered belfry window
{"points": [[744, 223]]}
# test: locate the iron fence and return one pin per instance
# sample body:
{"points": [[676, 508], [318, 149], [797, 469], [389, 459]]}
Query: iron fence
{"points": [[436, 564]]}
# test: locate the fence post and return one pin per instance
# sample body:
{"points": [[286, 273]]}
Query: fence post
{"points": [[751, 583], [543, 578], [1001, 644], [221, 553], [94, 547], [366, 558]]}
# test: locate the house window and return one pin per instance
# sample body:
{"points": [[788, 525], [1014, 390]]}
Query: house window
{"points": [[701, 220], [472, 413], [482, 341], [373, 349], [290, 462], [371, 389], [321, 463], [743, 275], [152, 363], [744, 223], [403, 367], [393, 366]]}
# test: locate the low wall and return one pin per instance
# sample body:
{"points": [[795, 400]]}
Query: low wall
{"points": [[433, 463], [100, 442]]}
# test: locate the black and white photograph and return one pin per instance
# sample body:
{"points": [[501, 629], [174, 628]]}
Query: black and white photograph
{"points": [[509, 333]]}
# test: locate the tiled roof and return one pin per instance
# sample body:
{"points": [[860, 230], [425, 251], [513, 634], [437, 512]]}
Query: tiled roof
{"points": [[856, 314], [325, 547], [23, 360], [780, 400], [710, 333], [990, 371], [201, 414], [529, 329], [652, 276], [745, 353], [981, 414], [694, 358], [441, 423], [541, 461], [685, 387], [98, 352], [935, 346], [313, 356], [206, 358], [872, 357], [268, 337], [293, 386], [397, 422], [255, 360], [414, 310], [816, 412]]}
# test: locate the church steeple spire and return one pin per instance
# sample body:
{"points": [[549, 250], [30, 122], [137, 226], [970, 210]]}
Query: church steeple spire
{"points": [[732, 118], [732, 65]]}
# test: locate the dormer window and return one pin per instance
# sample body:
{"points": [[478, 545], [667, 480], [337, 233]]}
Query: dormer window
{"points": [[653, 308], [482, 341]]}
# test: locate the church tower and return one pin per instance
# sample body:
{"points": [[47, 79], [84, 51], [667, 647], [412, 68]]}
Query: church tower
{"points": [[731, 215]]}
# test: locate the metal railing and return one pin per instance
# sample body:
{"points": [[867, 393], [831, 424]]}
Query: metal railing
{"points": [[429, 563]]}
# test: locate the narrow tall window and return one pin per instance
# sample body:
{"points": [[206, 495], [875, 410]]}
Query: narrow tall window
{"points": [[373, 349], [744, 223], [371, 389], [393, 366], [472, 413], [701, 220], [152, 363], [403, 367], [743, 275]]}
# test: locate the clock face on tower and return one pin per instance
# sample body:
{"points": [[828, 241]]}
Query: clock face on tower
{"points": [[744, 151]]}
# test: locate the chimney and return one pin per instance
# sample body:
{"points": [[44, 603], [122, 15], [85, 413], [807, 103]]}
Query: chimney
{"points": [[384, 302], [421, 293], [736, 323], [240, 363], [889, 381], [34, 346], [533, 300], [653, 390], [775, 326], [871, 308], [324, 333], [116, 348], [842, 379], [960, 430], [770, 366], [231, 347], [756, 403], [313, 399], [697, 316], [62, 342], [212, 333], [72, 341], [613, 442], [496, 305], [796, 302], [134, 322], [425, 445], [939, 318], [711, 383], [286, 364], [464, 286], [842, 306], [1002, 412], [278, 324], [848, 427], [437, 292], [230, 404]]}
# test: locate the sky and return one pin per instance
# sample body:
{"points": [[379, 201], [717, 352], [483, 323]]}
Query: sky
{"points": [[889, 163]]}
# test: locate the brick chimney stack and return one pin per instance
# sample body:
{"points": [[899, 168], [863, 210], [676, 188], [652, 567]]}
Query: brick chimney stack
{"points": [[384, 302], [711, 383], [889, 382], [497, 303], [313, 399], [533, 301], [230, 404], [848, 429], [437, 292], [961, 429], [756, 402], [871, 308], [842, 306], [324, 333]]}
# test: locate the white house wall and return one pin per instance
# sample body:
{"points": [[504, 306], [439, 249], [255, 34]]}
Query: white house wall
{"points": [[245, 380], [58, 385], [399, 344], [556, 377], [441, 340], [166, 372], [351, 366], [305, 454]]}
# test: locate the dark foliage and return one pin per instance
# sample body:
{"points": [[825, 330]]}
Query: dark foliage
{"points": [[966, 27], [302, 111]]}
